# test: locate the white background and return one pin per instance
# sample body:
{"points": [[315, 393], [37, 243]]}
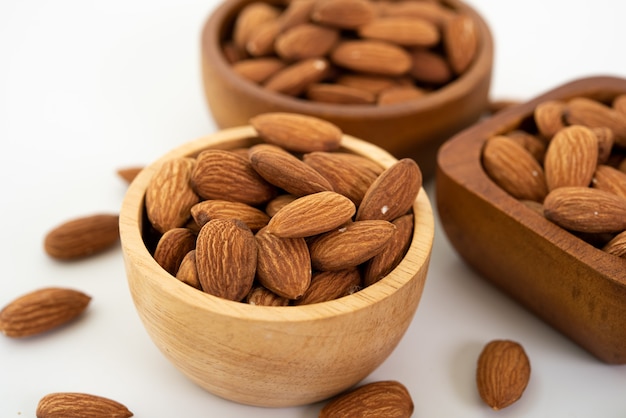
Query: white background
{"points": [[87, 87]]}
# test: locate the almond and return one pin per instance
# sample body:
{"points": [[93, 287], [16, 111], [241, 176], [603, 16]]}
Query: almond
{"points": [[373, 57], [392, 253], [206, 210], [536, 146], [311, 215], [263, 297], [128, 174], [188, 271], [619, 103], [514, 169], [221, 174], [372, 83], [502, 373], [610, 179], [258, 70], [460, 38], [287, 279], [571, 157], [549, 116], [606, 139], [41, 310], [393, 193], [349, 174], [585, 209], [286, 171], [330, 285], [173, 247], [249, 19], [344, 14], [429, 67], [276, 204], [304, 41], [593, 114], [350, 245], [389, 399], [169, 196], [295, 78], [617, 245], [297, 12], [262, 39], [226, 258], [79, 405], [82, 237], [297, 133], [399, 94], [433, 12], [404, 31], [339, 94]]}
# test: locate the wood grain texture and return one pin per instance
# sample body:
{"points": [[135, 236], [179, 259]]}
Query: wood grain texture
{"points": [[414, 129], [574, 287], [272, 356]]}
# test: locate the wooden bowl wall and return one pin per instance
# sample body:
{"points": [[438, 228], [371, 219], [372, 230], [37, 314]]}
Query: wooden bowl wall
{"points": [[272, 356], [574, 287], [412, 129]]}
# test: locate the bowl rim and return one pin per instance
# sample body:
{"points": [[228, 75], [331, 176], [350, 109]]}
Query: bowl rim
{"points": [[455, 90], [135, 251], [472, 141]]}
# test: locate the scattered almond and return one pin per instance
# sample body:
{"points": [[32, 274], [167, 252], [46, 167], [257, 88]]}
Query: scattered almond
{"points": [[502, 373], [389, 399], [80, 405], [41, 310], [82, 237]]}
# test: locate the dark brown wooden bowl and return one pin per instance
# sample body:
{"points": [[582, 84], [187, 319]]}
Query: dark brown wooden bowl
{"points": [[571, 285], [412, 129]]}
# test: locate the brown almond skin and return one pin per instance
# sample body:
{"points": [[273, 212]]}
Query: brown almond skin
{"points": [[294, 79], [286, 171], [82, 237], [188, 271], [330, 285], [593, 114], [393, 193], [226, 258], [514, 169], [389, 399], [41, 310], [258, 70], [350, 245], [345, 14], [261, 296], [224, 209], [585, 209], [349, 174], [610, 179], [460, 38], [571, 157], [549, 116], [297, 133], [392, 254], [80, 405], [311, 215], [304, 41], [283, 264], [617, 245], [173, 247], [372, 57], [221, 174], [502, 373], [405, 31]]}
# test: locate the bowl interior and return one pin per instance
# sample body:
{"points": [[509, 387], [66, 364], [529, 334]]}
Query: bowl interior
{"points": [[238, 351]]}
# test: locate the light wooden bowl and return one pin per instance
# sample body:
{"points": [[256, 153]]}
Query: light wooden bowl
{"points": [[412, 129], [574, 287], [272, 356]]}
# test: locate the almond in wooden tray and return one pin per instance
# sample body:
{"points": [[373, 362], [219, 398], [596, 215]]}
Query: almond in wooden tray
{"points": [[352, 52], [341, 215], [533, 199]]}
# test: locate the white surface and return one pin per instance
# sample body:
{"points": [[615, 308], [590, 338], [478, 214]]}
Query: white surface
{"points": [[88, 87]]}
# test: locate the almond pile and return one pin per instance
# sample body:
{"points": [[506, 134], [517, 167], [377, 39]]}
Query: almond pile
{"points": [[569, 164], [362, 52], [290, 220]]}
